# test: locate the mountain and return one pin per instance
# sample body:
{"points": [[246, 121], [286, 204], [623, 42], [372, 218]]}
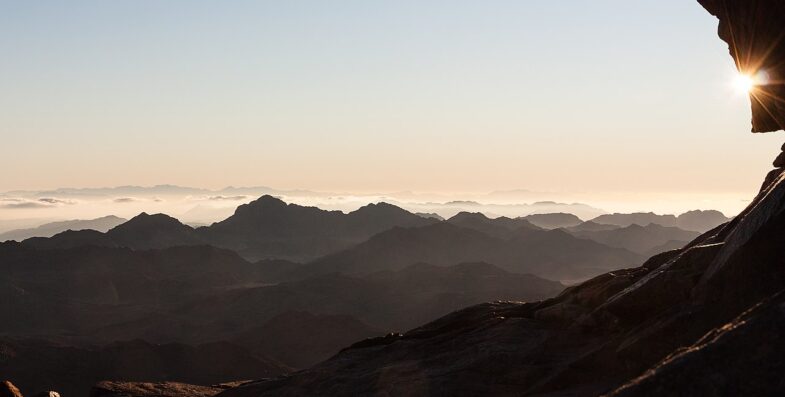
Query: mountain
{"points": [[698, 220], [553, 220], [430, 215], [73, 370], [554, 254], [76, 291], [91, 296], [270, 228], [390, 300], [142, 232], [50, 229], [702, 320], [501, 227], [639, 239], [590, 226], [153, 231], [71, 239]]}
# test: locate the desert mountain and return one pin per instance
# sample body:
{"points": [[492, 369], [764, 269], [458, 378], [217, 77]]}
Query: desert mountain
{"points": [[153, 231], [590, 226], [265, 228], [622, 333], [50, 229], [553, 220], [698, 220], [90, 295], [270, 228], [501, 227], [553, 254], [640, 239]]}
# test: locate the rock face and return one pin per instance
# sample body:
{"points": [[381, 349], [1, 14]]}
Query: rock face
{"points": [[703, 320], [753, 30], [7, 389], [152, 389]]}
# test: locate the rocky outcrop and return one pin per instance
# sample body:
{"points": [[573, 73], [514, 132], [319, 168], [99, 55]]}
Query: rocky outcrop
{"points": [[754, 32], [651, 330]]}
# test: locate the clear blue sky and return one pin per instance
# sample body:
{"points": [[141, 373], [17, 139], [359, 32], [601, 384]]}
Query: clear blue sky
{"points": [[445, 96]]}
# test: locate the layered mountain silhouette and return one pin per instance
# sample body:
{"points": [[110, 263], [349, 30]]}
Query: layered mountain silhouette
{"points": [[83, 299], [702, 320], [270, 228], [553, 220], [50, 229], [501, 227], [552, 254], [697, 220], [640, 239]]}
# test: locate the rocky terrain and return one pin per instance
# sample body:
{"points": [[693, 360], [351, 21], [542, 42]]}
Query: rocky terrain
{"points": [[650, 330]]}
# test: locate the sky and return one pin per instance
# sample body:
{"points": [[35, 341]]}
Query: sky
{"points": [[612, 101]]}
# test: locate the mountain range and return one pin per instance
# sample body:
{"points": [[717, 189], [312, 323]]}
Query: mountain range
{"points": [[50, 229], [705, 319]]}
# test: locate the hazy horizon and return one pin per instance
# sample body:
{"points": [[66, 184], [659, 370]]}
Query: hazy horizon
{"points": [[624, 106], [198, 206]]}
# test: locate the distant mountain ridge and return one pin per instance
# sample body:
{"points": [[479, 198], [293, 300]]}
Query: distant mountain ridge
{"points": [[552, 254], [270, 228], [640, 239], [697, 220], [101, 224], [264, 228]]}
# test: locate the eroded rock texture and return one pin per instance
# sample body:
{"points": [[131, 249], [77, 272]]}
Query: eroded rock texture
{"points": [[755, 33]]}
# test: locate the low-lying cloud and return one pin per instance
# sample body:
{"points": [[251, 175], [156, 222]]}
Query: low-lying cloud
{"points": [[227, 198], [125, 200]]}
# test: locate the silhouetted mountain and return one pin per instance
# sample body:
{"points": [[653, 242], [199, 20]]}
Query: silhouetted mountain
{"points": [[667, 246], [637, 218], [153, 231], [270, 228], [71, 239], [639, 239], [50, 229], [430, 215], [698, 220], [391, 300], [554, 220], [501, 227], [37, 365], [703, 320], [77, 290], [555, 254], [590, 226], [198, 294]]}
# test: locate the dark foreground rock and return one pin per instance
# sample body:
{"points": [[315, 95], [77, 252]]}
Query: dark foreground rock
{"points": [[706, 320], [148, 389]]}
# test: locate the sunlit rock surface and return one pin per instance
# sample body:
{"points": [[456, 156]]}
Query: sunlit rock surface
{"points": [[754, 32]]}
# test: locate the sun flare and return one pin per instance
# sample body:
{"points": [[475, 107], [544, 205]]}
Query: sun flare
{"points": [[744, 83]]}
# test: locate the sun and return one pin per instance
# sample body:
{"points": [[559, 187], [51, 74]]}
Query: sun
{"points": [[744, 83]]}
